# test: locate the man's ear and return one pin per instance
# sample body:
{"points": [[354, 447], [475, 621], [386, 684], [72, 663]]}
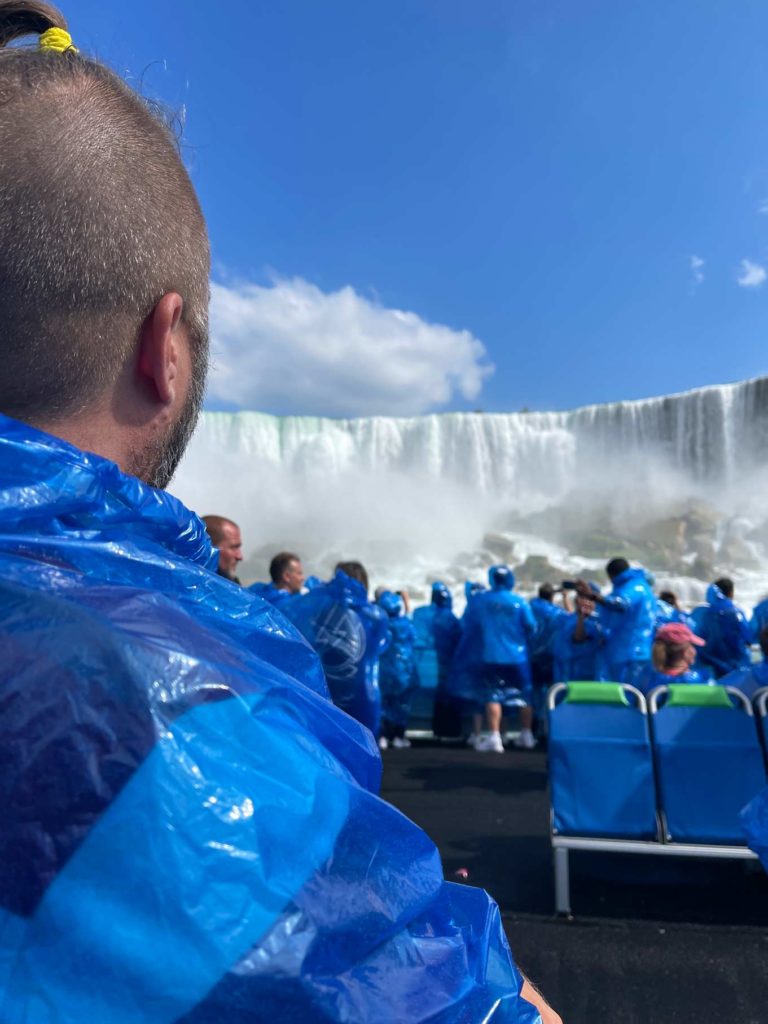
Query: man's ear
{"points": [[158, 363]]}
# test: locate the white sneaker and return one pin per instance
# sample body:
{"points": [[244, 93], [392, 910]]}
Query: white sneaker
{"points": [[400, 743], [490, 743], [473, 739], [526, 740], [383, 743]]}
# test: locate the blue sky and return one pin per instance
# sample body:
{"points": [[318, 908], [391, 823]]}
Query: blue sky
{"points": [[436, 204]]}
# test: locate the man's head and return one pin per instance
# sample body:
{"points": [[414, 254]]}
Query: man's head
{"points": [[669, 597], [616, 567], [725, 586], [547, 592], [441, 595], [103, 258], [225, 535], [501, 577], [287, 572]]}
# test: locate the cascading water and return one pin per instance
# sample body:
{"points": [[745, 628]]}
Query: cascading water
{"points": [[676, 482]]}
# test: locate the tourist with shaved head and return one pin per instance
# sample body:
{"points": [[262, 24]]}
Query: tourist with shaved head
{"points": [[191, 830]]}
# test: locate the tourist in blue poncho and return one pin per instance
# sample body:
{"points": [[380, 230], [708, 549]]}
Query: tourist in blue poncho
{"points": [[190, 773], [546, 613], [506, 626], [577, 643], [350, 634], [398, 678], [628, 616], [438, 631], [751, 678], [191, 830], [286, 579], [465, 676], [673, 659], [726, 630], [669, 610]]}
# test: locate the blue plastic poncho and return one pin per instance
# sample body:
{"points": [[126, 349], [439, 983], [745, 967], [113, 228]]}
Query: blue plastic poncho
{"points": [[190, 831], [545, 613], [438, 631], [437, 627], [725, 628], [628, 615], [269, 592], [426, 655], [349, 633], [504, 619], [398, 677], [445, 628], [668, 613], [749, 680], [577, 661], [650, 678], [465, 676]]}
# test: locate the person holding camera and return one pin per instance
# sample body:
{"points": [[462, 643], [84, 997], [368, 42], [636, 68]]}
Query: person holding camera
{"points": [[628, 616], [578, 640]]}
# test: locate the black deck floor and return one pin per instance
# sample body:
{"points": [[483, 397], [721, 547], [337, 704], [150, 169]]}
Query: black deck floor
{"points": [[652, 941]]}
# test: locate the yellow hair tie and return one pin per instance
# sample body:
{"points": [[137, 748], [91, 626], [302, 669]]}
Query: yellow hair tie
{"points": [[56, 40]]}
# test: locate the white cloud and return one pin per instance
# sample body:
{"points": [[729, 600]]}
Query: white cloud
{"points": [[697, 269], [762, 206], [752, 274], [292, 348]]}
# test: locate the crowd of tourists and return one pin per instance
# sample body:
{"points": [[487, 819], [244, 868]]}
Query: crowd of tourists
{"points": [[505, 651]]}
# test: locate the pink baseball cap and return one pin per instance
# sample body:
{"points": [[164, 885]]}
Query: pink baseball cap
{"points": [[678, 633]]}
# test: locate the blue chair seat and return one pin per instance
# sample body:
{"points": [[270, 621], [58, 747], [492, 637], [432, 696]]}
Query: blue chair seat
{"points": [[708, 761], [600, 762]]}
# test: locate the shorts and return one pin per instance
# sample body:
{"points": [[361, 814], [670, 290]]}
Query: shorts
{"points": [[507, 684]]}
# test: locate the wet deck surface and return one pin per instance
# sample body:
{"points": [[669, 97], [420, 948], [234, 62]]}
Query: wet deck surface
{"points": [[652, 941]]}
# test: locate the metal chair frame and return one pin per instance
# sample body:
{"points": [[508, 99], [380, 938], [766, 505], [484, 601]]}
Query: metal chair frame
{"points": [[562, 845]]}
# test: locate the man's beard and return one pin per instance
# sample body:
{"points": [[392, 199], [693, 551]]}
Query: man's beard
{"points": [[157, 463]]}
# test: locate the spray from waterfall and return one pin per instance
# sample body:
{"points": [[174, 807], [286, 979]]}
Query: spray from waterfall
{"points": [[674, 482]]}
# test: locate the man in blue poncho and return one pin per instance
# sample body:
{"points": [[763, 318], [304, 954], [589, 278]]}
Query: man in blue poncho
{"points": [[398, 678], [286, 579], [190, 827], [628, 616], [726, 630], [438, 629], [506, 626], [465, 676], [546, 613], [350, 634]]}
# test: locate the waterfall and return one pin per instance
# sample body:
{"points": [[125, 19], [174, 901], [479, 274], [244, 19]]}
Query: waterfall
{"points": [[413, 495]]}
